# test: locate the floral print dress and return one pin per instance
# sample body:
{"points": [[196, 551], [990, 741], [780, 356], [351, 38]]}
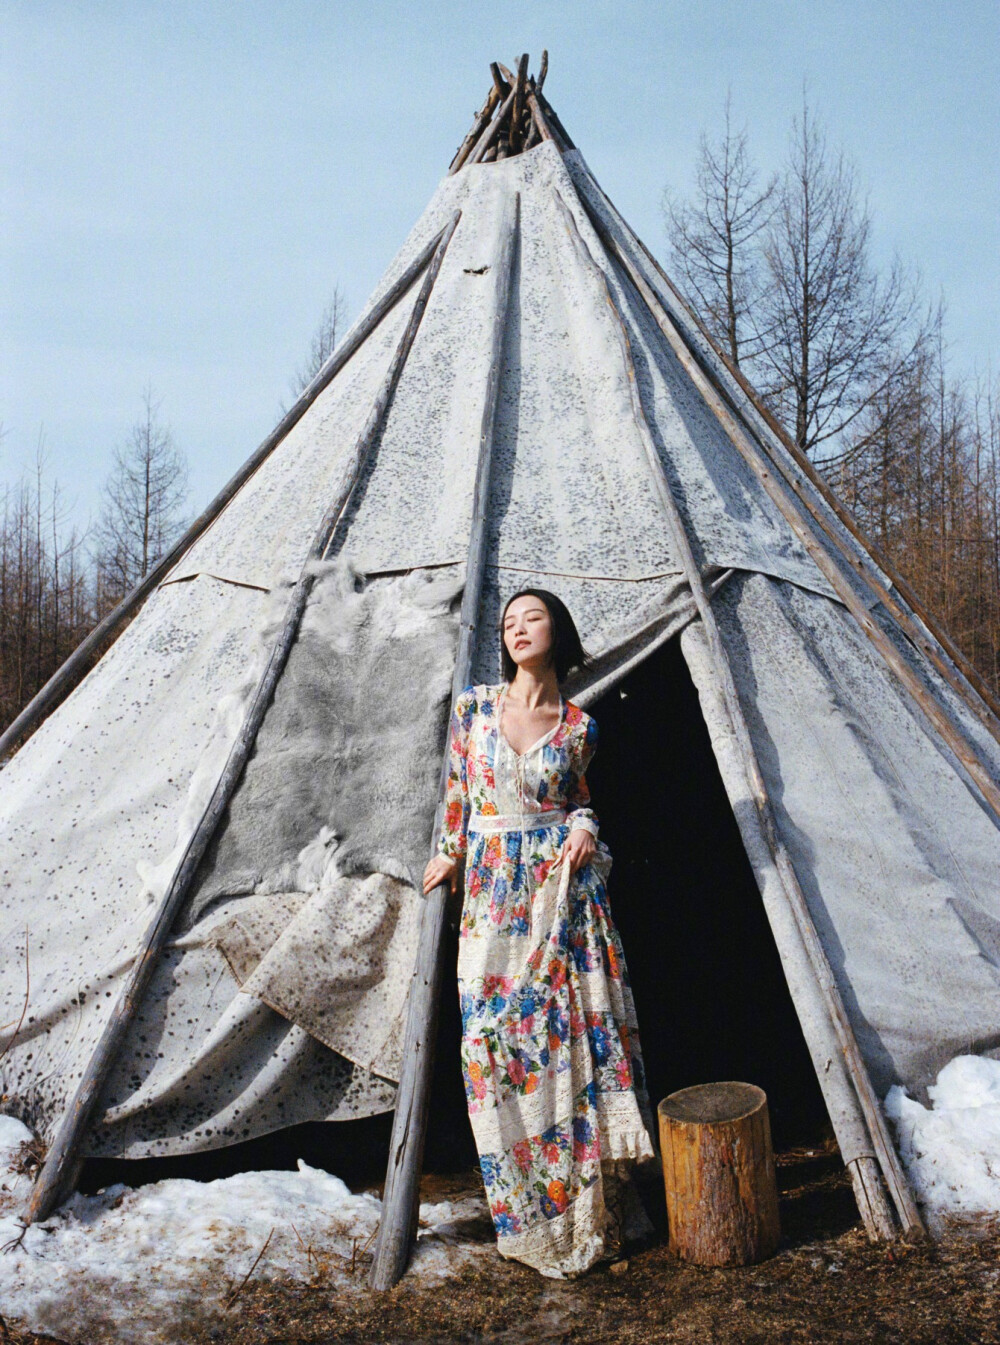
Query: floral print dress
{"points": [[550, 1047]]}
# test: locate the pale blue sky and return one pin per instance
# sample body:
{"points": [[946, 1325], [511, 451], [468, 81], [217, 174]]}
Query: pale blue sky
{"points": [[183, 183]]}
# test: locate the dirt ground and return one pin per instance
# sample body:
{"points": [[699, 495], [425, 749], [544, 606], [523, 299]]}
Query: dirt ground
{"points": [[827, 1283]]}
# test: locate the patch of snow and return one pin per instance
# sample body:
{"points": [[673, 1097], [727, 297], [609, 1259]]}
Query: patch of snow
{"points": [[951, 1150], [142, 1266], [12, 1135]]}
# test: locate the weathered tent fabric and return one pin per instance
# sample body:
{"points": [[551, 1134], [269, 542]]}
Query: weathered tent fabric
{"points": [[899, 862], [700, 460], [280, 997], [99, 791], [203, 1060]]}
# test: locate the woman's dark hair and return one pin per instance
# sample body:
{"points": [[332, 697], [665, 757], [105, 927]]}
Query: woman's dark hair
{"points": [[567, 651]]}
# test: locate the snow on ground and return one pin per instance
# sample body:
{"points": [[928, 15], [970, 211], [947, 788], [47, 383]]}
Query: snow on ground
{"points": [[137, 1266], [951, 1150]]}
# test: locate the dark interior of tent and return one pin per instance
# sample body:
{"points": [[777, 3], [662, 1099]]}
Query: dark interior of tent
{"points": [[710, 993]]}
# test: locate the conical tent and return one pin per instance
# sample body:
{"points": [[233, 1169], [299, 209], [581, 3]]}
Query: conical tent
{"points": [[213, 846]]}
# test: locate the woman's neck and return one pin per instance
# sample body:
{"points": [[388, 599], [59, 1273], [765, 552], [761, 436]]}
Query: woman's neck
{"points": [[533, 688]]}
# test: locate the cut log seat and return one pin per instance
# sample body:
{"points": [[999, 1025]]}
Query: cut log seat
{"points": [[718, 1171]]}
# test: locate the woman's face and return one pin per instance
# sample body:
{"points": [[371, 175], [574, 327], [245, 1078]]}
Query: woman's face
{"points": [[527, 633]]}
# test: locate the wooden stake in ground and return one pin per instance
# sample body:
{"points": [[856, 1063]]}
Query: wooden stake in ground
{"points": [[718, 1172], [398, 1225]]}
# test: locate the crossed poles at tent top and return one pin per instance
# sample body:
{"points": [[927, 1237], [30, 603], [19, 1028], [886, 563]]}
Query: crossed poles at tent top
{"points": [[515, 117]]}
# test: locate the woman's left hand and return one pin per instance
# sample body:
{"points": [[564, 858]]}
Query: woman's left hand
{"points": [[578, 849]]}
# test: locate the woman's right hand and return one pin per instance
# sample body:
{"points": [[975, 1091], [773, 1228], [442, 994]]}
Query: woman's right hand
{"points": [[440, 869]]}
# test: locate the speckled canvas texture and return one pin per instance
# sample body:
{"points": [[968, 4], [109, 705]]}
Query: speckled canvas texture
{"points": [[313, 867], [899, 862], [280, 996]]}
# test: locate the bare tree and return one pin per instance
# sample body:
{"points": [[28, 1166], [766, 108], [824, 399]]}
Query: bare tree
{"points": [[46, 604], [924, 481], [141, 515], [714, 238], [324, 340], [827, 322]]}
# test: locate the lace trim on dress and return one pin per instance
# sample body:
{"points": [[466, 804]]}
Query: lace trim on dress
{"points": [[564, 1246]]}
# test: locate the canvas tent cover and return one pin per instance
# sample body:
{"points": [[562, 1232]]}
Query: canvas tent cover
{"points": [[281, 996]]}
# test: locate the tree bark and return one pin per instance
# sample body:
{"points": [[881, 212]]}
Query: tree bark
{"points": [[718, 1171]]}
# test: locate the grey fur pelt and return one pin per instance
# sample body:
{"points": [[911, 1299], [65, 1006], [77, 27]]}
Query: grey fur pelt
{"points": [[328, 833]]}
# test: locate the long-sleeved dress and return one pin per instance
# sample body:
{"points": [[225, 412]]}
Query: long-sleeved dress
{"points": [[550, 1048]]}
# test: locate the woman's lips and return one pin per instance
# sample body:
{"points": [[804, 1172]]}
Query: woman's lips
{"points": [[520, 644]]}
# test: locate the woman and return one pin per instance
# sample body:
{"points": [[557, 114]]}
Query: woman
{"points": [[550, 1049]]}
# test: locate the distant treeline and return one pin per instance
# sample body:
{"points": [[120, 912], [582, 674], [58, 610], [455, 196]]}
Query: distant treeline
{"points": [[56, 582]]}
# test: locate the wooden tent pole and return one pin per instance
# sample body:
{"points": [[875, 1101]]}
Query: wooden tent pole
{"points": [[553, 119], [492, 131], [77, 665], [933, 640], [537, 116], [823, 1044], [892, 1169], [543, 70], [60, 1166], [400, 1202], [938, 721], [517, 114], [939, 648], [501, 85], [482, 120]]}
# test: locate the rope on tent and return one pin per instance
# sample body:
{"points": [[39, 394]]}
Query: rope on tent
{"points": [[400, 1202], [63, 681], [918, 623], [892, 1170], [58, 1173]]}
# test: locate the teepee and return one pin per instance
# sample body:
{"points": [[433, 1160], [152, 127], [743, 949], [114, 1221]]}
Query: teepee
{"points": [[213, 840]]}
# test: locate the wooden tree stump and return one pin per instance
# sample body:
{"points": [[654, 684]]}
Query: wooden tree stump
{"points": [[718, 1170]]}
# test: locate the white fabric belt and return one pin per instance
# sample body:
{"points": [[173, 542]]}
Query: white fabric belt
{"points": [[485, 824]]}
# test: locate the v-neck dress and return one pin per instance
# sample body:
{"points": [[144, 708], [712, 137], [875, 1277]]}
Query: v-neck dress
{"points": [[550, 1045]]}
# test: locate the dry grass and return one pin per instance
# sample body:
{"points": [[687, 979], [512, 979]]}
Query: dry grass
{"points": [[827, 1283]]}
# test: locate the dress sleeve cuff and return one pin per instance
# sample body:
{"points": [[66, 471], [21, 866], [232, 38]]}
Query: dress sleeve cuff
{"points": [[583, 820]]}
